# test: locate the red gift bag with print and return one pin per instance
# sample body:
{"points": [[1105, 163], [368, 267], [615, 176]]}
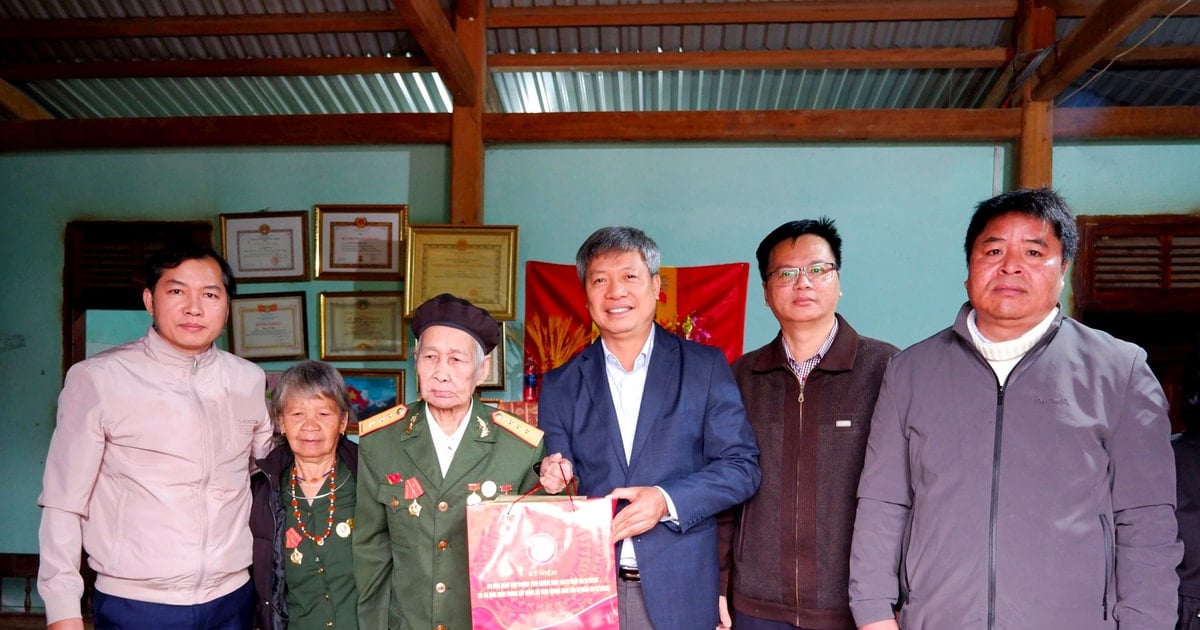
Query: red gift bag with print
{"points": [[542, 562]]}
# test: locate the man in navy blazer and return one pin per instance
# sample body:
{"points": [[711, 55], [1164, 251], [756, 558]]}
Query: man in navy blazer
{"points": [[656, 422]]}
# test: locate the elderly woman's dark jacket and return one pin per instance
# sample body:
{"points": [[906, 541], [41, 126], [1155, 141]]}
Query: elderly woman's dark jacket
{"points": [[266, 525]]}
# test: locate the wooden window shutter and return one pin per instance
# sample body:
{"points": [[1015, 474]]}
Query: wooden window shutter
{"points": [[1148, 263]]}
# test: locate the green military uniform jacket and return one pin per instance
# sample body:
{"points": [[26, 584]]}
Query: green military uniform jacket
{"points": [[411, 571]]}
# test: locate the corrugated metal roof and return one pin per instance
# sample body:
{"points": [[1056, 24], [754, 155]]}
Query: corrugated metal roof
{"points": [[420, 92], [698, 90], [551, 91]]}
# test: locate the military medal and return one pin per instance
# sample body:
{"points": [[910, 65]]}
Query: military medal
{"points": [[412, 490], [296, 556], [489, 489], [473, 498], [506, 488], [343, 529]]}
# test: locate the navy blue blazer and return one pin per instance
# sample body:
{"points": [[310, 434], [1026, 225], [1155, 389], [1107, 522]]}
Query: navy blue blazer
{"points": [[692, 440]]}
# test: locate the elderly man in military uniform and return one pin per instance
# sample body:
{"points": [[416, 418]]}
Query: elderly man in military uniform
{"points": [[420, 466]]}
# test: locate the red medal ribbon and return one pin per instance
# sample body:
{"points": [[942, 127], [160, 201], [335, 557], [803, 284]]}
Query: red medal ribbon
{"points": [[412, 488], [394, 478]]}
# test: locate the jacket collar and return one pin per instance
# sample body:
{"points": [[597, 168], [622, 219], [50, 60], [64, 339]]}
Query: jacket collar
{"points": [[164, 353], [839, 358], [476, 443], [964, 333]]}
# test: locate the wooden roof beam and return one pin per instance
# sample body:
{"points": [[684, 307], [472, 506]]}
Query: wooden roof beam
{"points": [[19, 105], [543, 16], [1084, 8], [892, 58], [915, 125], [1094, 38], [924, 125], [202, 26], [428, 24], [308, 130], [749, 13], [1126, 123]]}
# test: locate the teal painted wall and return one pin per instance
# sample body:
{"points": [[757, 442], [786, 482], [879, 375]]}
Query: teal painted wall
{"points": [[902, 210]]}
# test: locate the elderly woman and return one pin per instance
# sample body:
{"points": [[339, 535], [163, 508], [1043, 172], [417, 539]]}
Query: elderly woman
{"points": [[303, 512], [424, 463]]}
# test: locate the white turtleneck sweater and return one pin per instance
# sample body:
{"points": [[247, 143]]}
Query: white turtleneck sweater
{"points": [[1003, 356]]}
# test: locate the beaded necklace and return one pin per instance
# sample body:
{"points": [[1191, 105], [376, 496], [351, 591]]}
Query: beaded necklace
{"points": [[320, 540]]}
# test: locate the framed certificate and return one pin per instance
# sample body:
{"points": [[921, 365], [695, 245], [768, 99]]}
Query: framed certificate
{"points": [[361, 242], [495, 376], [266, 246], [476, 263], [268, 326], [372, 391], [362, 325]]}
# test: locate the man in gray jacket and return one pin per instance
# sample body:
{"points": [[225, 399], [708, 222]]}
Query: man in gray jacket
{"points": [[1018, 471]]}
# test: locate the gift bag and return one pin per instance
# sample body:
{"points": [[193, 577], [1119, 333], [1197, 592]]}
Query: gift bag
{"points": [[542, 562]]}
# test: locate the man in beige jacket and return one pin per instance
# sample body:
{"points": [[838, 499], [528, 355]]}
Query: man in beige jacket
{"points": [[148, 469]]}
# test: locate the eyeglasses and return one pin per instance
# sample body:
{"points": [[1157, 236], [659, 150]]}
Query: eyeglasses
{"points": [[789, 276]]}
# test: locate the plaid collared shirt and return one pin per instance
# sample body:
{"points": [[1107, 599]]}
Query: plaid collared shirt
{"points": [[805, 367]]}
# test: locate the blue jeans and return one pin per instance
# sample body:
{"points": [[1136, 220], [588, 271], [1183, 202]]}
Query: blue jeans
{"points": [[234, 611]]}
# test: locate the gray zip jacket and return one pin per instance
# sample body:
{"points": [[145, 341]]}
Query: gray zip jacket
{"points": [[1045, 503]]}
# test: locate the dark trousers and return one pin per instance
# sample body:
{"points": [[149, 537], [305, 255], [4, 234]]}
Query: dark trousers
{"points": [[234, 611], [1189, 613]]}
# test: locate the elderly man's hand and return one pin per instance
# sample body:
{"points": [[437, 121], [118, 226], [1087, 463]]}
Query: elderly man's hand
{"points": [[647, 506], [555, 472]]}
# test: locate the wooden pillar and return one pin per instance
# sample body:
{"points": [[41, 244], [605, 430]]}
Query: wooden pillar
{"points": [[466, 122], [1035, 146]]}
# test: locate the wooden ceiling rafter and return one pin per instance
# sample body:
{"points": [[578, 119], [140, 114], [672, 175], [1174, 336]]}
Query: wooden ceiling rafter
{"points": [[891, 58], [915, 125], [1084, 8], [429, 26], [749, 13], [1096, 36], [203, 25], [19, 105], [544, 17]]}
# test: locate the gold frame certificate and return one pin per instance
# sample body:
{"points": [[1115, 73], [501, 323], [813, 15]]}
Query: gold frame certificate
{"points": [[362, 325], [476, 263], [361, 242], [268, 326], [266, 246]]}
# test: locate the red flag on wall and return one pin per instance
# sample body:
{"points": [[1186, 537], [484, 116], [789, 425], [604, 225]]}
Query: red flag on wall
{"points": [[705, 304]]}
